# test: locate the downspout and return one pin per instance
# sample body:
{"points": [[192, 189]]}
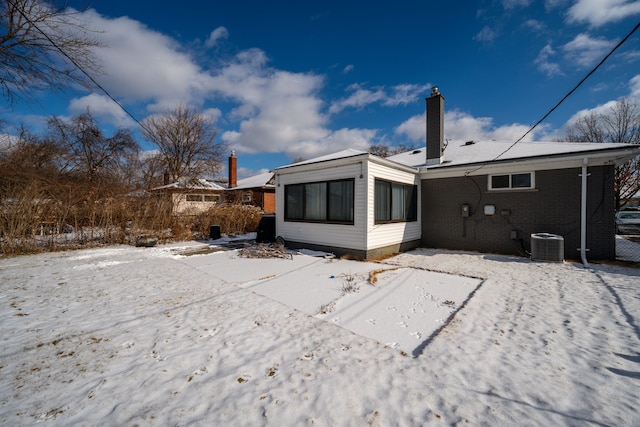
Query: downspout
{"points": [[583, 214]]}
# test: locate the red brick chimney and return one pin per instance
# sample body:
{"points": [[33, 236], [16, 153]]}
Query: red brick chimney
{"points": [[233, 170], [435, 126]]}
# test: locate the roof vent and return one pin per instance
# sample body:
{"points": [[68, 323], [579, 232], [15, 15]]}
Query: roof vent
{"points": [[416, 151], [547, 247], [469, 143]]}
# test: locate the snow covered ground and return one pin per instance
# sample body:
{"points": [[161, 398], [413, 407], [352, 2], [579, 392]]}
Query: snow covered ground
{"points": [[156, 336]]}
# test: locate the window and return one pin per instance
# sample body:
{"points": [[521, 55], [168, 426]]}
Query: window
{"points": [[395, 202], [328, 201], [514, 181], [210, 198], [247, 198]]}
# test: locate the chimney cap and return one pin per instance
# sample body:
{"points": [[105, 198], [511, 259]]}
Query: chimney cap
{"points": [[435, 91]]}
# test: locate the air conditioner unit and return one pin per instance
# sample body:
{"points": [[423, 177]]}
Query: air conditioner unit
{"points": [[547, 247]]}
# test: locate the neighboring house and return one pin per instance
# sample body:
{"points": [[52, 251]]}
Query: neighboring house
{"points": [[257, 190], [483, 196], [191, 197]]}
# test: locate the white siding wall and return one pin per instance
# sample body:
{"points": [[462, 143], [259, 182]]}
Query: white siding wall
{"points": [[183, 207], [381, 235], [338, 235]]}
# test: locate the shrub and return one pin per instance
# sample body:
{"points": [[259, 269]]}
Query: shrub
{"points": [[34, 220], [232, 218]]}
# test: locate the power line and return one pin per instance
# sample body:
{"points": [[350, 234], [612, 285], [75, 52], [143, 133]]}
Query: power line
{"points": [[563, 98]]}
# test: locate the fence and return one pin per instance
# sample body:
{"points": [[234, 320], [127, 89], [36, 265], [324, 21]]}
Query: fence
{"points": [[628, 249]]}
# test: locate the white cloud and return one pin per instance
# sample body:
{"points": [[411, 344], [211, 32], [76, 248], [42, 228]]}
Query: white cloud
{"points": [[599, 12], [413, 128], [550, 5], [276, 109], [396, 95], [262, 109], [213, 113], [246, 172], [512, 4], [272, 109], [217, 34], [545, 64], [101, 108], [534, 25], [359, 98], [486, 35], [634, 85], [605, 108], [348, 69], [585, 50], [600, 109], [359, 139], [142, 65], [459, 125]]}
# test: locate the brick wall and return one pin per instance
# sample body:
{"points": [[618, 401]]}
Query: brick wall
{"points": [[553, 207]]}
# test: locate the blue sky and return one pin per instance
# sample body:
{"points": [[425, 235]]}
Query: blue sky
{"points": [[292, 79]]}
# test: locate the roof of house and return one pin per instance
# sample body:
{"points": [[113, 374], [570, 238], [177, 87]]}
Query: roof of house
{"points": [[195, 184], [459, 153], [350, 152], [256, 181], [476, 153]]}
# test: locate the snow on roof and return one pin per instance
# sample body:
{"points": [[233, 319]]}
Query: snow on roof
{"points": [[350, 152], [195, 184], [458, 152], [261, 180]]}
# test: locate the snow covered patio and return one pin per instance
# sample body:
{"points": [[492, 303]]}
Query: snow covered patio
{"points": [[146, 336]]}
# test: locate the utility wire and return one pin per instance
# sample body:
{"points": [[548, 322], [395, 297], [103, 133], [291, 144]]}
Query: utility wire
{"points": [[562, 100], [98, 85]]}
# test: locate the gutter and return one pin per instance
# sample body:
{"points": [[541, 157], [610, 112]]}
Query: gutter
{"points": [[583, 214]]}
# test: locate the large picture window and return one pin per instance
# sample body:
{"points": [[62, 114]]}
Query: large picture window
{"points": [[327, 201], [395, 202], [514, 181]]}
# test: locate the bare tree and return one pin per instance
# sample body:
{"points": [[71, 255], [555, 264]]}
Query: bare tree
{"points": [[90, 154], [42, 44], [621, 124], [382, 150], [28, 155], [186, 139]]}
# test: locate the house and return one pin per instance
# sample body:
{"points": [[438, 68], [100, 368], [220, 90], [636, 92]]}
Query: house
{"points": [[349, 202], [194, 196], [257, 190], [191, 197], [486, 196]]}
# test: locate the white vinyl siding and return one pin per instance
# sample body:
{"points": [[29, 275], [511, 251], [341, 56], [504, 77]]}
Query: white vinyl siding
{"points": [[348, 235], [386, 234], [363, 233]]}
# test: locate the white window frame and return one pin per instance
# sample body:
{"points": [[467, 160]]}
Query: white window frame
{"points": [[212, 198], [313, 202], [511, 187], [202, 198]]}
